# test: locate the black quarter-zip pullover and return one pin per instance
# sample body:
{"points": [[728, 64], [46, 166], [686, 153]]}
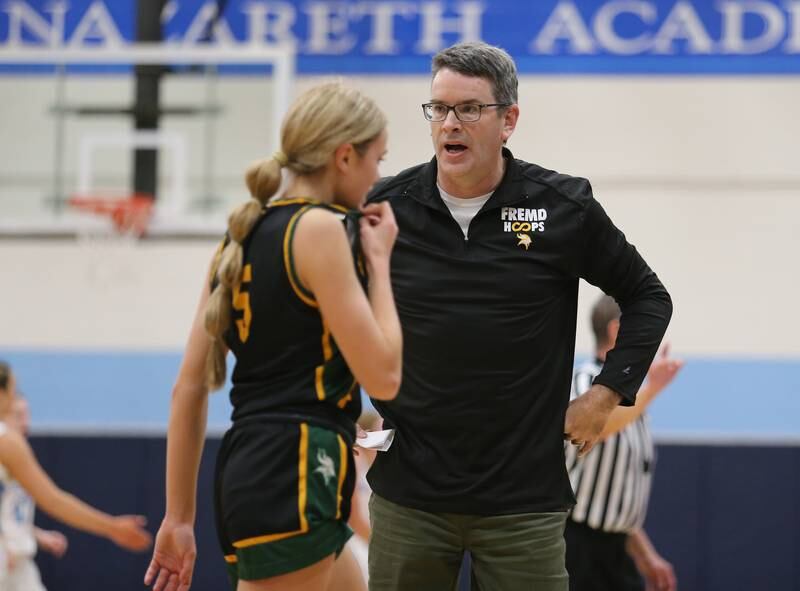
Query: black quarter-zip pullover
{"points": [[489, 338]]}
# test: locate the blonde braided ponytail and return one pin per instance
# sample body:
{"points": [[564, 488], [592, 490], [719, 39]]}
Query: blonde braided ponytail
{"points": [[319, 121]]}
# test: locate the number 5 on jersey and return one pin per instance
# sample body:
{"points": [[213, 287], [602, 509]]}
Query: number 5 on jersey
{"points": [[241, 303]]}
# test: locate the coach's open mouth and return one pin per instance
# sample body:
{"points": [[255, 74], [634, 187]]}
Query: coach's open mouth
{"points": [[454, 148]]}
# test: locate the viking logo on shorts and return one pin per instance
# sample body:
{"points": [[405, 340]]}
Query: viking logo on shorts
{"points": [[524, 240], [326, 467]]}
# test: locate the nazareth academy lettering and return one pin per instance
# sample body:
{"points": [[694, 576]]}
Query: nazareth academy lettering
{"points": [[644, 36]]}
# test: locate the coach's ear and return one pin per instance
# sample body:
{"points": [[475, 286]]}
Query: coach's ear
{"points": [[510, 118]]}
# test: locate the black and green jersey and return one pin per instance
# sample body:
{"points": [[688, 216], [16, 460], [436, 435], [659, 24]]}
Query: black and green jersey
{"points": [[287, 363]]}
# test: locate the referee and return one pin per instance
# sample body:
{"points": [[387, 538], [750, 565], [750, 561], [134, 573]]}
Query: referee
{"points": [[607, 549]]}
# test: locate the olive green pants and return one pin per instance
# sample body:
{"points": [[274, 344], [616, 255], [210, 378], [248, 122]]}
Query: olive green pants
{"points": [[412, 550]]}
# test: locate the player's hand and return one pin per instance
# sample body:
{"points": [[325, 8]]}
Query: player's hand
{"points": [[128, 532], [663, 369], [378, 231], [174, 554], [52, 542], [587, 416]]}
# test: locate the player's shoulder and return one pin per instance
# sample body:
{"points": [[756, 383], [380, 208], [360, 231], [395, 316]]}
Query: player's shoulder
{"points": [[10, 442], [288, 213], [322, 223]]}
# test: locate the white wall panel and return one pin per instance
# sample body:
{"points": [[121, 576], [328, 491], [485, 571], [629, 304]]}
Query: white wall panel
{"points": [[703, 175]]}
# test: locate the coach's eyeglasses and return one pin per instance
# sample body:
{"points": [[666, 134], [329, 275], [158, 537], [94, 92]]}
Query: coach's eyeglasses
{"points": [[465, 112]]}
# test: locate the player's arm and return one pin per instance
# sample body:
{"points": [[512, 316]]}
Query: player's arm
{"points": [[51, 541], [125, 530], [366, 327], [187, 421], [175, 550]]}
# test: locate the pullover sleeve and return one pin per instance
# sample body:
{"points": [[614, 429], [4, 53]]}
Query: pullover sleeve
{"points": [[610, 262]]}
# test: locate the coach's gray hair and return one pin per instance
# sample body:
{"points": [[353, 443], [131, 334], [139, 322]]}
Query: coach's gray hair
{"points": [[481, 60]]}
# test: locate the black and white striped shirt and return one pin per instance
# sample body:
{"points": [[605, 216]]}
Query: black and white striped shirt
{"points": [[612, 482]]}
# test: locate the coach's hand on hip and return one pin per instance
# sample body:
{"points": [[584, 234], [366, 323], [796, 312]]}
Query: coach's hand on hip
{"points": [[587, 415]]}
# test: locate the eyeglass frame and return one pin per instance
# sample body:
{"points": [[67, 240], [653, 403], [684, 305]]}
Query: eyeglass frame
{"points": [[481, 106]]}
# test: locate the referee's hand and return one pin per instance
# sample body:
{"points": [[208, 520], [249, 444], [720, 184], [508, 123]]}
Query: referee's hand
{"points": [[587, 415]]}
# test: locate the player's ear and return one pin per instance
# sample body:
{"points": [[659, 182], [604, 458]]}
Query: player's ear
{"points": [[343, 157]]}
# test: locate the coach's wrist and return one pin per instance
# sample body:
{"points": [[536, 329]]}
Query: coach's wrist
{"points": [[604, 397]]}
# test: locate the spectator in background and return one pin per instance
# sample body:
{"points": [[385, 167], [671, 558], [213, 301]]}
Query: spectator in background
{"points": [[607, 549], [25, 483]]}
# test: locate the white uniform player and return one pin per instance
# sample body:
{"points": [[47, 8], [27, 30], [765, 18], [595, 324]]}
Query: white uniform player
{"points": [[17, 535]]}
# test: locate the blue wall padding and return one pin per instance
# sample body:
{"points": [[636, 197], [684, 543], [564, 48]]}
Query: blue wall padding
{"points": [[727, 517]]}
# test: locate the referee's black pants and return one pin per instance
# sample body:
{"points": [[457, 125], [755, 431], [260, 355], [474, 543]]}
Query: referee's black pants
{"points": [[598, 561]]}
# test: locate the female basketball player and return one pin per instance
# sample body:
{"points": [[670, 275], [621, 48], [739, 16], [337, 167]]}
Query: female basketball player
{"points": [[306, 317], [21, 476]]}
